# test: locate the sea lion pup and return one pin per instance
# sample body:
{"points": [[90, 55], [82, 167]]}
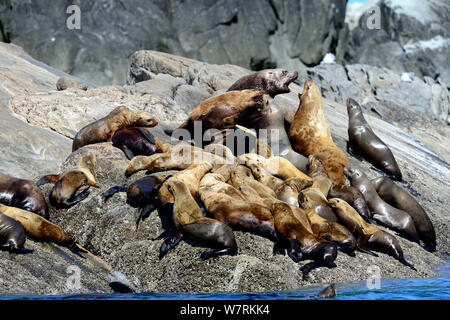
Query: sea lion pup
{"points": [[227, 204], [277, 166], [295, 234], [179, 158], [37, 227], [399, 198], [23, 194], [369, 237], [189, 222], [353, 197], [289, 190], [309, 133], [273, 81], [12, 234], [364, 142], [384, 213], [136, 142], [63, 194], [103, 129], [223, 111]]}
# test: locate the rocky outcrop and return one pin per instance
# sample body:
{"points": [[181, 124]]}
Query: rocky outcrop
{"points": [[254, 35]]}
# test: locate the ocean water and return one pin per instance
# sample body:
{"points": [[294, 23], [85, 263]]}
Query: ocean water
{"points": [[437, 288]]}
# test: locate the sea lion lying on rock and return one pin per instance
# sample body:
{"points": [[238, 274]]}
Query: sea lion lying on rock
{"points": [[136, 142], [12, 234]]}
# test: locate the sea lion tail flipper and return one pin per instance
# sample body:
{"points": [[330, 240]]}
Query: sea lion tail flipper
{"points": [[144, 213], [113, 190], [147, 136], [50, 178], [169, 244], [75, 199]]}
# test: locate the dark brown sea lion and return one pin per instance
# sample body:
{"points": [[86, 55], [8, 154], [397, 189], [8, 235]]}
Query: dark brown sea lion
{"points": [[363, 141], [63, 194], [136, 142], [369, 237], [353, 197], [23, 194], [310, 135], [103, 129], [294, 233], [12, 234], [189, 222], [384, 213], [399, 198]]}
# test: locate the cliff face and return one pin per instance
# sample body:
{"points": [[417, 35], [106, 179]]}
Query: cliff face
{"points": [[170, 87]]}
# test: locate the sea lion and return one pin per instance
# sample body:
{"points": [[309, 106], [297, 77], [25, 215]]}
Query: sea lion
{"points": [[309, 133], [399, 198], [37, 227], [296, 236], [23, 194], [103, 129], [271, 117], [227, 204], [384, 213], [223, 111], [189, 222], [363, 141], [328, 292], [273, 81], [369, 237], [353, 197], [12, 234], [136, 142], [63, 194], [289, 190]]}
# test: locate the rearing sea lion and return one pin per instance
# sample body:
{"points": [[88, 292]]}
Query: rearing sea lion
{"points": [[23, 194], [310, 135], [363, 141]]}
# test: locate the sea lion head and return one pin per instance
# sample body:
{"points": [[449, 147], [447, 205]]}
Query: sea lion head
{"points": [[353, 173], [310, 90], [144, 119], [277, 81], [353, 107]]}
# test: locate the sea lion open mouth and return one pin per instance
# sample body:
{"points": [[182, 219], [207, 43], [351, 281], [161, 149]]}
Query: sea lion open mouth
{"points": [[290, 78]]}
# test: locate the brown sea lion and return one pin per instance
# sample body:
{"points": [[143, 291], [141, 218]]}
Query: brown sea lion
{"points": [[384, 213], [63, 194], [369, 237], [289, 190], [309, 133], [103, 129], [227, 204], [295, 234], [23, 194], [12, 234], [364, 142], [136, 142], [399, 198], [353, 197], [189, 222], [328, 292]]}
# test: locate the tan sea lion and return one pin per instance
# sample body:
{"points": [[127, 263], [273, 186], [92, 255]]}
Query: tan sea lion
{"points": [[103, 129], [67, 184], [309, 133], [369, 237], [364, 142], [353, 197], [384, 213], [12, 234], [289, 190], [136, 142], [189, 222], [399, 198], [23, 194]]}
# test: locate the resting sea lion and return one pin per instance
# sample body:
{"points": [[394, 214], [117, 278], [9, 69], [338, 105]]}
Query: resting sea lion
{"points": [[353, 197], [136, 142], [289, 190], [369, 237], [363, 141], [399, 198], [23, 194], [309, 133], [103, 129], [384, 213], [67, 184], [12, 234], [295, 234], [190, 222]]}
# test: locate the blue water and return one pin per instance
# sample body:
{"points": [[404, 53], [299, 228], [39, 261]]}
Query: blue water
{"points": [[437, 288]]}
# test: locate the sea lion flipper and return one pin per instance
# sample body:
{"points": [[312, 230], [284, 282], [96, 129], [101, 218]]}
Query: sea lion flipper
{"points": [[169, 244], [50, 178], [130, 155], [367, 251], [113, 190], [75, 199], [147, 136], [144, 213], [216, 252]]}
